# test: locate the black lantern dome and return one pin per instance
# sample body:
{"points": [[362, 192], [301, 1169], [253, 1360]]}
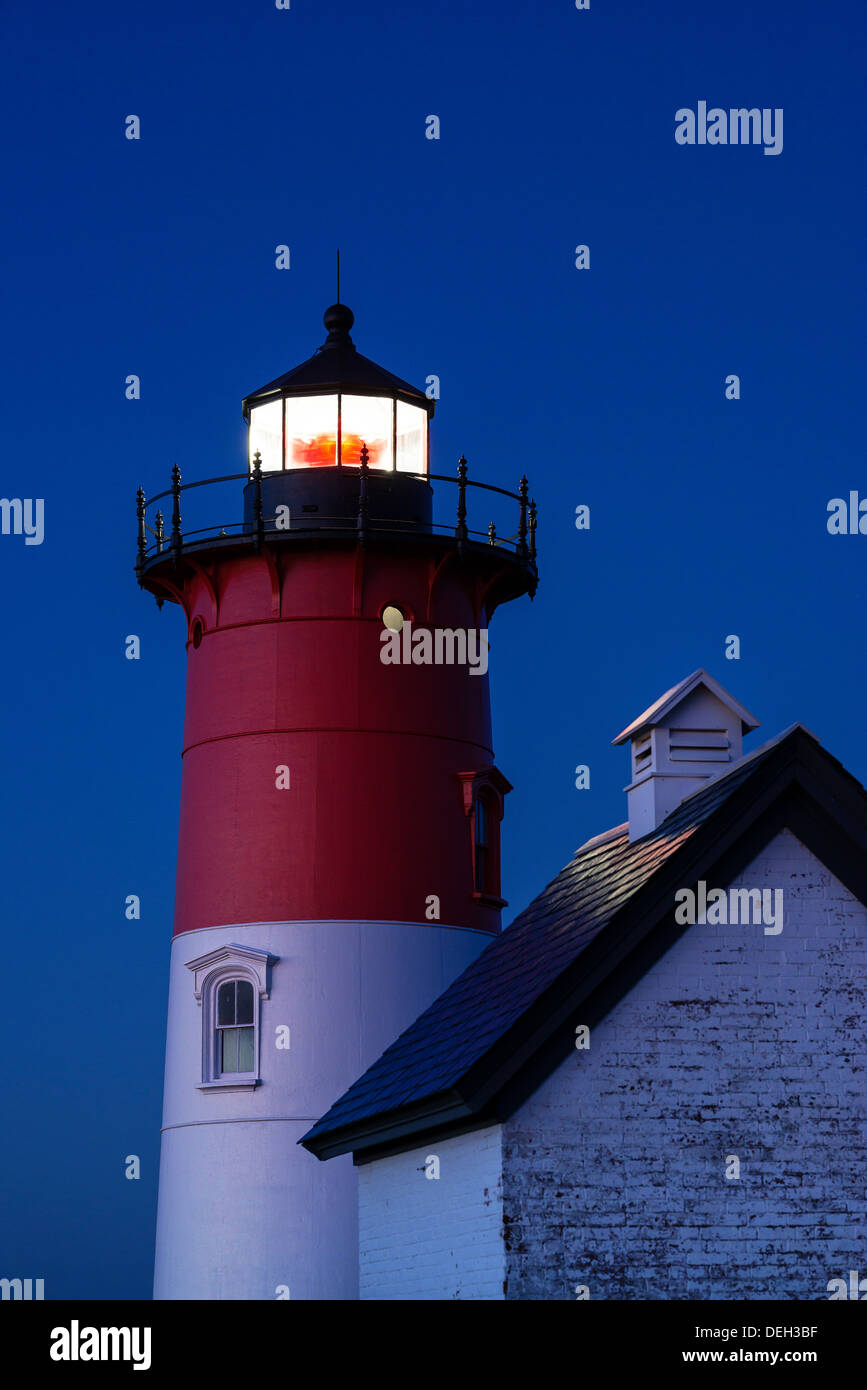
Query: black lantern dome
{"points": [[322, 412]]}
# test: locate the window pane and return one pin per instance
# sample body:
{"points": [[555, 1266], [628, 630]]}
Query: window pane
{"points": [[411, 438], [266, 434], [229, 1059], [245, 1002], [226, 1003], [366, 420], [311, 431], [481, 823], [245, 1049], [481, 869]]}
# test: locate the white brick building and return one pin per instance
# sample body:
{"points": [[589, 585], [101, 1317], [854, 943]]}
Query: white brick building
{"points": [[709, 1139]]}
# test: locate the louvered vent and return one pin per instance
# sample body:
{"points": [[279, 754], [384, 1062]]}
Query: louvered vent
{"points": [[641, 754], [698, 746]]}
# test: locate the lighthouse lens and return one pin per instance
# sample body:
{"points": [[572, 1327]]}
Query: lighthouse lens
{"points": [[311, 431], [411, 438], [366, 420], [266, 435]]}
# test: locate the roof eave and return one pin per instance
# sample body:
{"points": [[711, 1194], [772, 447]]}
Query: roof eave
{"points": [[445, 1108]]}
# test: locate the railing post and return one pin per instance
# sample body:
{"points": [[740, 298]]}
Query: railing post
{"points": [[521, 547], [259, 530], [532, 551], [159, 531], [175, 541], [492, 534], [361, 524], [461, 528], [142, 546]]}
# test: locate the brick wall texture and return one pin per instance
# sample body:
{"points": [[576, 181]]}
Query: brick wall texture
{"points": [[735, 1043], [434, 1238]]}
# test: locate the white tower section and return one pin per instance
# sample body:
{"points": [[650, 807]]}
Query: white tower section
{"points": [[244, 1211]]}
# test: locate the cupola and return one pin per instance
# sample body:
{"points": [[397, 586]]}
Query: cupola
{"points": [[690, 734]]}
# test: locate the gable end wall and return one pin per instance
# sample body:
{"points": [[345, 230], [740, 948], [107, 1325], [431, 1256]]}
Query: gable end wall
{"points": [[737, 1043]]}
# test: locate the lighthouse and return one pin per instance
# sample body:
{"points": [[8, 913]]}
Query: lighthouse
{"points": [[339, 839]]}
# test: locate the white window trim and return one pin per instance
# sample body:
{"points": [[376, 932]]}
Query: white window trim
{"points": [[231, 962]]}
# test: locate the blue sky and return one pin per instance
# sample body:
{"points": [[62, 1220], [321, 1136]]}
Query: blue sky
{"points": [[708, 517]]}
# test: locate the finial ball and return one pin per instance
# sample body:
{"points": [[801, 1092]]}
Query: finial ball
{"points": [[338, 318]]}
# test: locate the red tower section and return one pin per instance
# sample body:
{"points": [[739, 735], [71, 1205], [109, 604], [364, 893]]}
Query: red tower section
{"points": [[318, 781]]}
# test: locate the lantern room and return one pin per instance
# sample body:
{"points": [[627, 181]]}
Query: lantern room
{"points": [[319, 415]]}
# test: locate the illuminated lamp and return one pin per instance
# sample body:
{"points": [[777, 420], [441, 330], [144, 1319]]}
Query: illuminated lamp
{"points": [[319, 415]]}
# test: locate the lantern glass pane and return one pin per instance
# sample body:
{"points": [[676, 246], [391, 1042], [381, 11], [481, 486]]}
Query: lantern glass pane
{"points": [[411, 438], [266, 434], [311, 431], [367, 420]]}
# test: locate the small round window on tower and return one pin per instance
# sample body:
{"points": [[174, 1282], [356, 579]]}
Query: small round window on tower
{"points": [[198, 632], [392, 618]]}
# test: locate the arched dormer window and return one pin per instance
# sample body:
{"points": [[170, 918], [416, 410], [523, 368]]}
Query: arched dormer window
{"points": [[235, 1030], [230, 985], [484, 796]]}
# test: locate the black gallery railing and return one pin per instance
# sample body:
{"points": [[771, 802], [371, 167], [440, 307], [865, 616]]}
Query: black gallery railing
{"points": [[172, 543]]}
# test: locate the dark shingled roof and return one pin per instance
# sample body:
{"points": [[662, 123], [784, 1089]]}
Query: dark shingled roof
{"points": [[436, 1053]]}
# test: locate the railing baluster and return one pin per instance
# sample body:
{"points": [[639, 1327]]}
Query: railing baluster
{"points": [[461, 528], [142, 546], [159, 531], [361, 524], [492, 534], [257, 502], [176, 511], [521, 547], [532, 550]]}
